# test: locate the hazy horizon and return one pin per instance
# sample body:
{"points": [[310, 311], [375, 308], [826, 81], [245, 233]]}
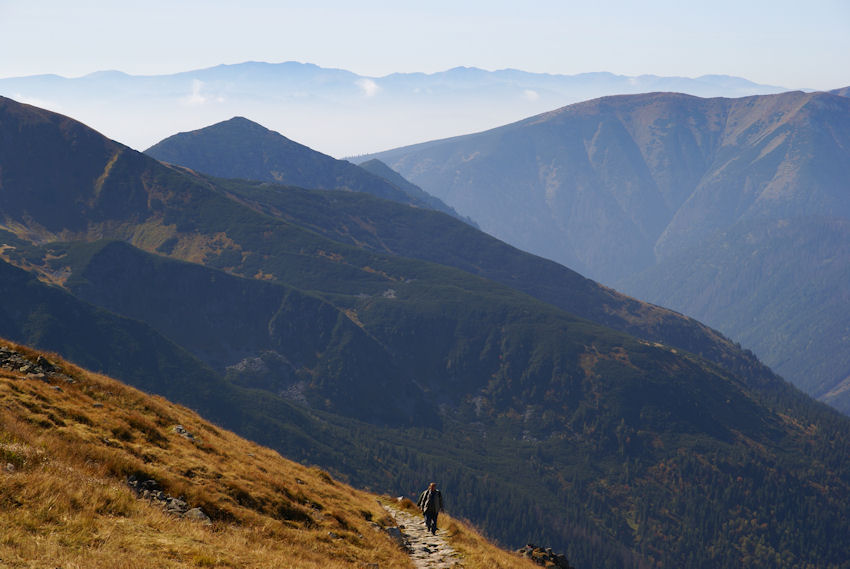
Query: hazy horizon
{"points": [[331, 110], [778, 44], [774, 43]]}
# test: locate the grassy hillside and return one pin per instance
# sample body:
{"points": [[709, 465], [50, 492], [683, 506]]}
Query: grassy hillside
{"points": [[71, 439]]}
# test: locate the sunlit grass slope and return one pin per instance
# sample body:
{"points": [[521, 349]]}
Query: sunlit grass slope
{"points": [[70, 439]]}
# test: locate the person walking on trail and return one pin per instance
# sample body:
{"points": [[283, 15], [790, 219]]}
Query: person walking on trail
{"points": [[431, 503]]}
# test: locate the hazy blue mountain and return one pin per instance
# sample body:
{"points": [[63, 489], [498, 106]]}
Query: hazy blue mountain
{"points": [[621, 451], [614, 186], [240, 148], [332, 110], [611, 185]]}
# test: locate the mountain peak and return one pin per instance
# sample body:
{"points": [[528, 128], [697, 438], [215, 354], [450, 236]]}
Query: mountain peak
{"points": [[241, 148], [240, 120], [241, 123]]}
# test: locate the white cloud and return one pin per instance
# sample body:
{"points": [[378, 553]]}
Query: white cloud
{"points": [[369, 87], [196, 98], [530, 95], [199, 98]]}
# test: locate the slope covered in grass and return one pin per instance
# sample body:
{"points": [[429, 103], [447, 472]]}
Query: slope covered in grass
{"points": [[70, 440]]}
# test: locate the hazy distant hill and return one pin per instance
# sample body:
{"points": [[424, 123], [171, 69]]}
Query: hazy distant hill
{"points": [[391, 370], [239, 148], [333, 110], [613, 186]]}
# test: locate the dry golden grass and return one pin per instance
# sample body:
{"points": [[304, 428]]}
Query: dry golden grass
{"points": [[477, 552], [66, 450]]}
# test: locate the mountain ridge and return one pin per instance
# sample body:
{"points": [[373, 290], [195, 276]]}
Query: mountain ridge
{"points": [[467, 249]]}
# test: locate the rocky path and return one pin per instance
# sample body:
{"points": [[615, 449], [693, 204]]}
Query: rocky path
{"points": [[427, 551]]}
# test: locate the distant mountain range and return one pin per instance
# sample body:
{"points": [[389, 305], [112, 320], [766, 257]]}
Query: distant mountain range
{"points": [[729, 210], [333, 110], [394, 344]]}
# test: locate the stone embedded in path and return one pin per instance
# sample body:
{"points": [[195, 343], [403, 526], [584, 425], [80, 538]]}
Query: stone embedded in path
{"points": [[427, 551], [397, 536]]}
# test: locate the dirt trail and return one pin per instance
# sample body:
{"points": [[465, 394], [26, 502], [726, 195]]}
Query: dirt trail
{"points": [[427, 551]]}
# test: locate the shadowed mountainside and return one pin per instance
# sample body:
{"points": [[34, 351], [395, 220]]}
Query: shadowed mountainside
{"points": [[380, 227], [793, 274]]}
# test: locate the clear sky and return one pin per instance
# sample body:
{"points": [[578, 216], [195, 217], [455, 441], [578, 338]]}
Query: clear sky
{"points": [[789, 43]]}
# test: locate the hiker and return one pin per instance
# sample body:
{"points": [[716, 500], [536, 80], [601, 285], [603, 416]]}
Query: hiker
{"points": [[431, 502]]}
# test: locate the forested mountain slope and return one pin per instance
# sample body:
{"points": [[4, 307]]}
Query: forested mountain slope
{"points": [[384, 227]]}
